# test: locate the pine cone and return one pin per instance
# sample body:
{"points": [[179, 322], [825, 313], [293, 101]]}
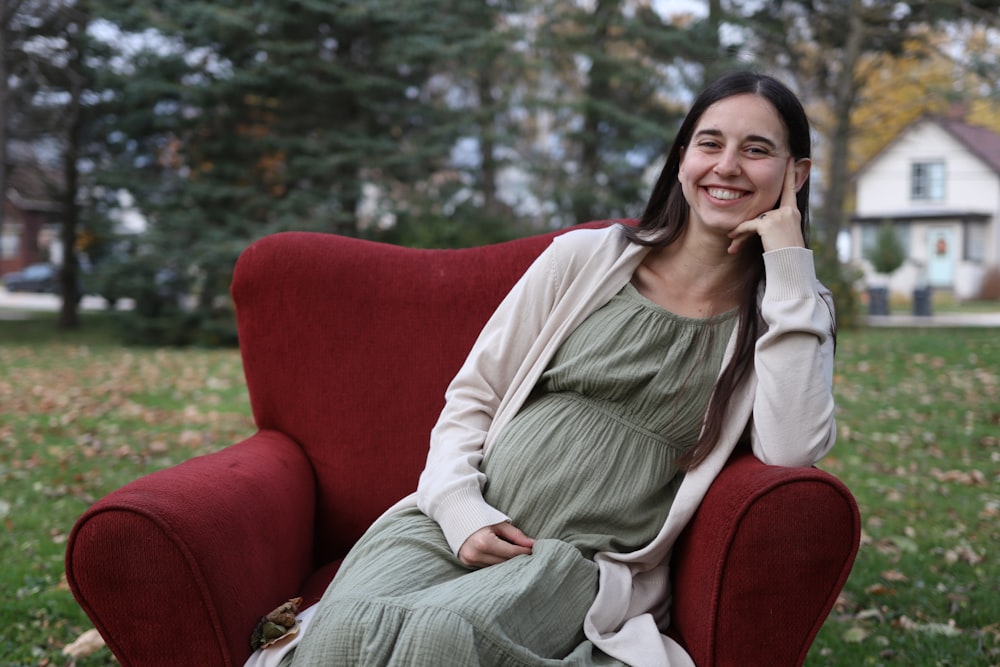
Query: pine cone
{"points": [[275, 624], [285, 614]]}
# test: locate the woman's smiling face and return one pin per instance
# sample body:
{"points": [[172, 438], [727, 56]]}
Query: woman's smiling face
{"points": [[733, 167]]}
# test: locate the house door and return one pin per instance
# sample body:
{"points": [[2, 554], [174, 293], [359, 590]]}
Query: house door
{"points": [[941, 258]]}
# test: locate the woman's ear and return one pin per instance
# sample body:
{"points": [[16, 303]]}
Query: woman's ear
{"points": [[802, 168]]}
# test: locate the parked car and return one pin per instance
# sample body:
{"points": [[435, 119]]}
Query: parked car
{"points": [[41, 277], [34, 278]]}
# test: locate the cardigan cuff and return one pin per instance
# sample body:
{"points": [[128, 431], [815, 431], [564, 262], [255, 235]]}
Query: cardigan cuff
{"points": [[790, 274], [462, 512]]}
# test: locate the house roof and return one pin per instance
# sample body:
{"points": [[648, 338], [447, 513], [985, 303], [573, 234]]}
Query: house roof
{"points": [[30, 188], [982, 142]]}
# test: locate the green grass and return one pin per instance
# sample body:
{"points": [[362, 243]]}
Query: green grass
{"points": [[919, 415], [943, 302], [80, 417]]}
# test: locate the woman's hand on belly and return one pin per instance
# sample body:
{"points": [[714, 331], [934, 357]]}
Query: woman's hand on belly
{"points": [[494, 544]]}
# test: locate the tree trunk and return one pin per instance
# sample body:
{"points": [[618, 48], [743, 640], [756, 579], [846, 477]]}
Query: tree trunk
{"points": [[718, 65], [487, 142], [5, 13], [844, 93], [598, 91], [69, 315]]}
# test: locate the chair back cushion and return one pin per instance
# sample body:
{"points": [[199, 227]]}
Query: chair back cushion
{"points": [[348, 346]]}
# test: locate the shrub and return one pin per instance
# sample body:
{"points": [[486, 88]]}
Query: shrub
{"points": [[990, 289], [888, 253], [842, 281]]}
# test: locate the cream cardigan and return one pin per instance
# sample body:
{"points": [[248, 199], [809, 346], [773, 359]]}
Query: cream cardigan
{"points": [[787, 399]]}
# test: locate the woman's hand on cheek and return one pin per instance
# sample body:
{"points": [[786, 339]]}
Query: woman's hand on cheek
{"points": [[779, 228], [494, 544]]}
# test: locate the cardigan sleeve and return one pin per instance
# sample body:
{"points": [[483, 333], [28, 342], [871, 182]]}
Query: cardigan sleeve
{"points": [[450, 486], [793, 413]]}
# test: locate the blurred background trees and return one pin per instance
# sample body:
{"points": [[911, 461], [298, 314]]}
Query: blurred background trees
{"points": [[176, 133]]}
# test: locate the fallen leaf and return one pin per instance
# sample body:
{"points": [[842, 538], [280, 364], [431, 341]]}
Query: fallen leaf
{"points": [[855, 635], [905, 544], [963, 553], [871, 612], [843, 603], [965, 477], [948, 629], [189, 438], [86, 644], [880, 589], [991, 510]]}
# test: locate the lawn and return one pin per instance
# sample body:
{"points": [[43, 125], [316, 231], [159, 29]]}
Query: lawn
{"points": [[79, 417], [919, 447]]}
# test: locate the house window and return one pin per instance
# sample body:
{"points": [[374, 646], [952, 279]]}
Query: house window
{"points": [[927, 181], [975, 242], [10, 246]]}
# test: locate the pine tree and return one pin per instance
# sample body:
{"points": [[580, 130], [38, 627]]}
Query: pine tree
{"points": [[614, 100], [242, 119], [46, 82]]}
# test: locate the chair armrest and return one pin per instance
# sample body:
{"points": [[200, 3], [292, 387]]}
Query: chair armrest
{"points": [[759, 567], [176, 567]]}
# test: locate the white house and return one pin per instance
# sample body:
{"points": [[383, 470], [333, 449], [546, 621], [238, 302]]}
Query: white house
{"points": [[938, 184]]}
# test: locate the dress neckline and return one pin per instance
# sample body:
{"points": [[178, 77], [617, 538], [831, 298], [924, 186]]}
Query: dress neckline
{"points": [[631, 292]]}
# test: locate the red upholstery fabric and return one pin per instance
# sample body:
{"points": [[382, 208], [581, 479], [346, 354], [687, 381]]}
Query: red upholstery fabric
{"points": [[762, 582], [348, 346], [351, 357], [176, 567]]}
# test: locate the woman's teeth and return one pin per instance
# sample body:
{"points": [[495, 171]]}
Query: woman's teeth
{"points": [[719, 193]]}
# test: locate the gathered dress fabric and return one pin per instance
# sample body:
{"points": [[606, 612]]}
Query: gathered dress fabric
{"points": [[587, 465], [784, 406]]}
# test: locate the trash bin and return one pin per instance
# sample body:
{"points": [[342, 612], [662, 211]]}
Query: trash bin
{"points": [[878, 300], [922, 297]]}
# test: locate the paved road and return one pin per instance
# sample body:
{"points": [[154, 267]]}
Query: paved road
{"points": [[936, 320], [18, 305]]}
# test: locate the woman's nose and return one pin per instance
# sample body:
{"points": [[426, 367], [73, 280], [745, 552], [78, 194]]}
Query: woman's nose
{"points": [[728, 164]]}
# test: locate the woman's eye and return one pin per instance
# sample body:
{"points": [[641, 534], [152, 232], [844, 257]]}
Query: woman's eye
{"points": [[757, 150]]}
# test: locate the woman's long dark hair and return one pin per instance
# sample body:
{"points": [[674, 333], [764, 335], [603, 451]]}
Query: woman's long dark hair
{"points": [[666, 217]]}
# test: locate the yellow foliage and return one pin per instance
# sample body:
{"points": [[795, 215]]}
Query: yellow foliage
{"points": [[986, 113], [897, 91], [923, 80]]}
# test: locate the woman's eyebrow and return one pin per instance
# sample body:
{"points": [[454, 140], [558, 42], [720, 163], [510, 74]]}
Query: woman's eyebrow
{"points": [[757, 138], [762, 139]]}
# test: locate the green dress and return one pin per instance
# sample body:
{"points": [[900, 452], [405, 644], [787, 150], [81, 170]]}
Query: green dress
{"points": [[587, 465]]}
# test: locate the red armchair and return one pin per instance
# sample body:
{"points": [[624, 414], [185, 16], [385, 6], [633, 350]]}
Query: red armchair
{"points": [[347, 348]]}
